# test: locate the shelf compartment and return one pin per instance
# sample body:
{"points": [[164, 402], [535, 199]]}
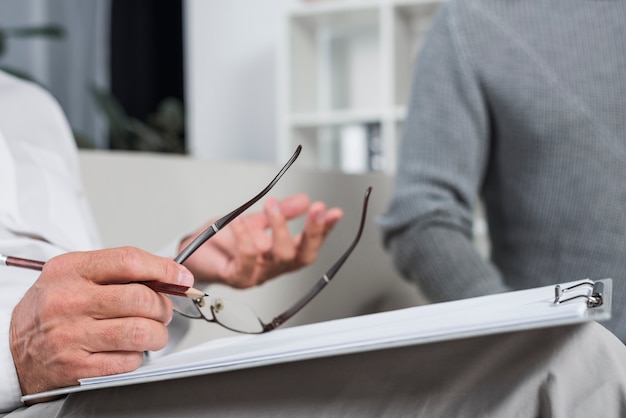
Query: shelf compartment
{"points": [[329, 50]]}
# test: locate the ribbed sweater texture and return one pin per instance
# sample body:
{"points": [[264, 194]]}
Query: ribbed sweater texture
{"points": [[520, 104]]}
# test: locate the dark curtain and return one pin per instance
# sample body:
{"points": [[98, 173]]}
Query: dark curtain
{"points": [[146, 56]]}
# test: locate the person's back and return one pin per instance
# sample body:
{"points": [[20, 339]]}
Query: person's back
{"points": [[523, 102]]}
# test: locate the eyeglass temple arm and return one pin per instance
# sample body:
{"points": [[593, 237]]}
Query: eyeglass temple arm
{"points": [[226, 219], [326, 278]]}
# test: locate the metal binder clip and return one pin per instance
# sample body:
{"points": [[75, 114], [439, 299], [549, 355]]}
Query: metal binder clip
{"points": [[593, 300]]}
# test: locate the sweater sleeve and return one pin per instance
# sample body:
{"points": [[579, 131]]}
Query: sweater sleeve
{"points": [[443, 157]]}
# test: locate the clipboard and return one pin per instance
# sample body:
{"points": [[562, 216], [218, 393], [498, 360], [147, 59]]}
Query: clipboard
{"points": [[548, 306]]}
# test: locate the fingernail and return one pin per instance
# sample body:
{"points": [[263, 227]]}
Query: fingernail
{"points": [[273, 206], [320, 217], [169, 321], [185, 278]]}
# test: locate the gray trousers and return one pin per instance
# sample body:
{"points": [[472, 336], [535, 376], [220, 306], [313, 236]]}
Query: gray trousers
{"points": [[572, 371]]}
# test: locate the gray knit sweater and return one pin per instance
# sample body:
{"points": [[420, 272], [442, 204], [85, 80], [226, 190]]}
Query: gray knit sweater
{"points": [[522, 103]]}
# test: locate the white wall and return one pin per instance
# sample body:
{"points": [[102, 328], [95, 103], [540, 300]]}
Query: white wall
{"points": [[231, 77]]}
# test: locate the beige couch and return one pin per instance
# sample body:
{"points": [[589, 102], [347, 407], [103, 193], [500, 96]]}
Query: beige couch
{"points": [[147, 200]]}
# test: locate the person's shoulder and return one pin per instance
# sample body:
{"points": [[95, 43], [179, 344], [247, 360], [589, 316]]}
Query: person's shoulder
{"points": [[473, 15], [23, 95], [18, 88], [462, 10], [477, 6], [11, 82]]}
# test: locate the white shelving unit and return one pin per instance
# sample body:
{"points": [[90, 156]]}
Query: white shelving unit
{"points": [[345, 75]]}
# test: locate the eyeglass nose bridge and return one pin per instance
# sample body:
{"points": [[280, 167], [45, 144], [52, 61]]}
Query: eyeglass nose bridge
{"points": [[201, 302], [187, 307]]}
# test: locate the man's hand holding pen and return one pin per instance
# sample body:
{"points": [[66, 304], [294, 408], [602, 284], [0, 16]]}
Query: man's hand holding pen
{"points": [[70, 325], [95, 313]]}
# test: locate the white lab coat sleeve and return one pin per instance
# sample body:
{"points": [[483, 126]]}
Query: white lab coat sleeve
{"points": [[43, 210], [10, 392]]}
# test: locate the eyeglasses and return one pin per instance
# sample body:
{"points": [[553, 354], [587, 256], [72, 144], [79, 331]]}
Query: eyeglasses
{"points": [[237, 316]]}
